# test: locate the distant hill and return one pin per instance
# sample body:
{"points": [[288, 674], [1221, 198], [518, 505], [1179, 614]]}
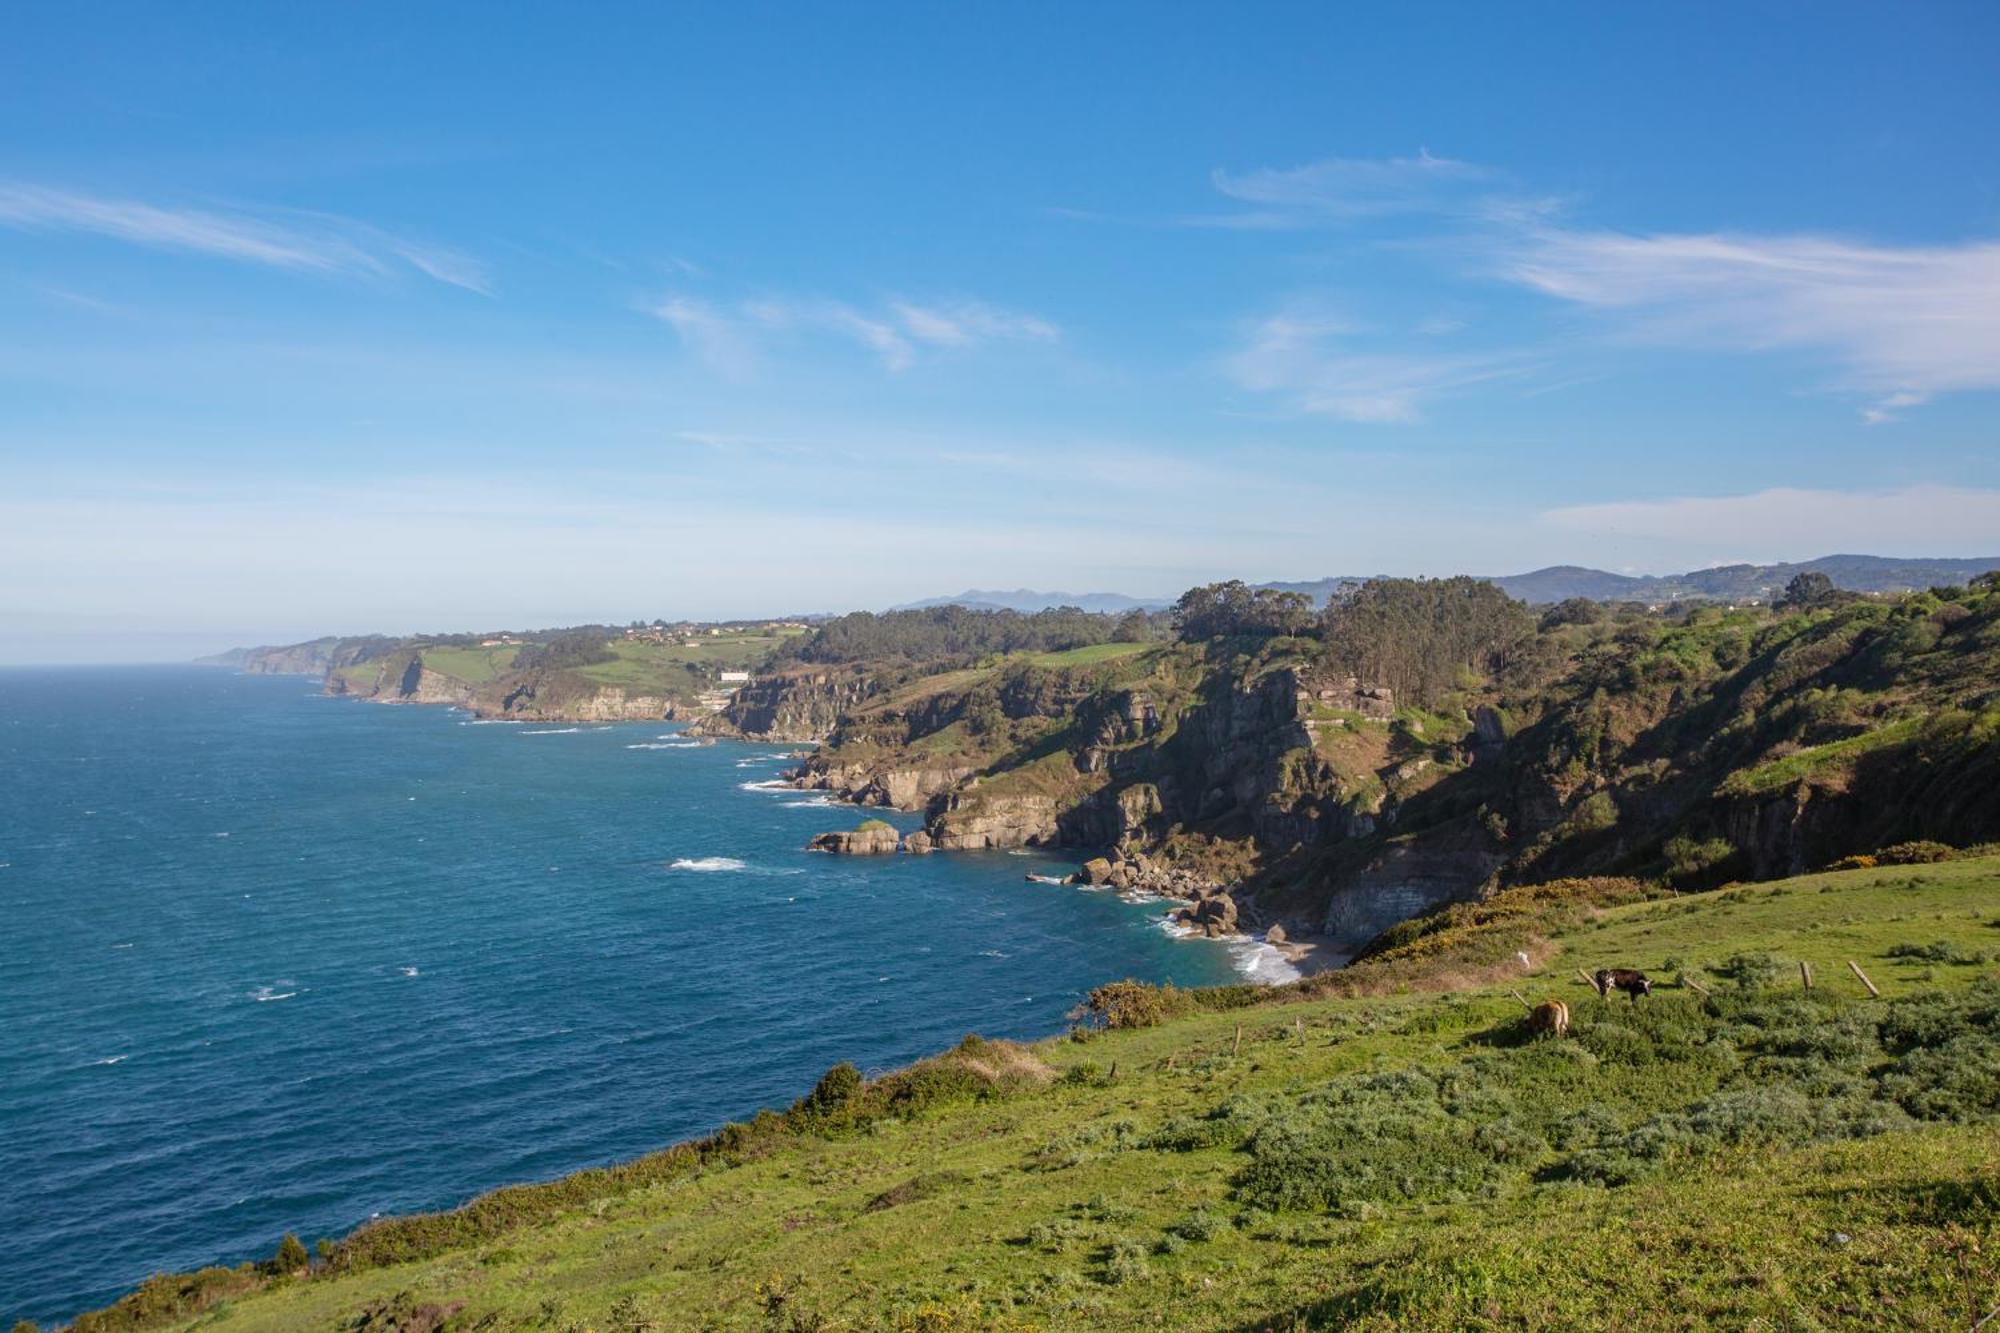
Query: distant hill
{"points": [[1028, 600], [1855, 573], [1727, 583]]}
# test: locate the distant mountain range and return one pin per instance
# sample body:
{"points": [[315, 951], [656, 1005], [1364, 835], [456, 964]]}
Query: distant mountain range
{"points": [[1727, 583], [1027, 599]]}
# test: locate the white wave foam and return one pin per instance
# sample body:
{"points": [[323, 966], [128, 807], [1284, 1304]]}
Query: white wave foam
{"points": [[1046, 879], [1255, 961], [768, 784], [109, 1060], [1260, 963], [222, 835], [707, 863], [991, 953], [811, 802], [553, 731], [407, 971], [266, 994], [656, 745]]}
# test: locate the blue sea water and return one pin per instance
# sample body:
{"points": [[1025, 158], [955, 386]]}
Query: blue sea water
{"points": [[271, 961]]}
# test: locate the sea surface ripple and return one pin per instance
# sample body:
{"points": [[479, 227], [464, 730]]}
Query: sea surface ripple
{"points": [[280, 962]]}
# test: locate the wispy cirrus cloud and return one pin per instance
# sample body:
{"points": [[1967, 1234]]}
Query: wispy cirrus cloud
{"points": [[286, 239], [726, 335], [1344, 189], [1308, 357], [1904, 323], [1913, 519], [1897, 324]]}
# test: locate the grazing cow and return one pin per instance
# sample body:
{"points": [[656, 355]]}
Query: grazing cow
{"points": [[1633, 983], [1551, 1017]]}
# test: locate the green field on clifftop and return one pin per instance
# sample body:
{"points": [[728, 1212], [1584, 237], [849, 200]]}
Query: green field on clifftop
{"points": [[1404, 1155]]}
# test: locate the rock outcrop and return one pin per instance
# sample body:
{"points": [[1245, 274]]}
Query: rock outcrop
{"points": [[896, 788], [872, 838], [972, 820]]}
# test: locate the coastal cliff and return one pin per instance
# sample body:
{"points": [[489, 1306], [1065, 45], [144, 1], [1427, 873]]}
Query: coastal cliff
{"points": [[1697, 747], [803, 704]]}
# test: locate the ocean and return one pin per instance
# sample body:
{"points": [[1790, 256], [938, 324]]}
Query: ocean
{"points": [[277, 962]]}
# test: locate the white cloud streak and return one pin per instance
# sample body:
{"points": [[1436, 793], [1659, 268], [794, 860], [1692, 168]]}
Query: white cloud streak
{"points": [[1299, 356], [726, 336], [1904, 322], [308, 243], [1344, 189]]}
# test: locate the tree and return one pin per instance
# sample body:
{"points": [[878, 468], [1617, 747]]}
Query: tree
{"points": [[1217, 610], [1418, 635], [1572, 611], [1808, 590]]}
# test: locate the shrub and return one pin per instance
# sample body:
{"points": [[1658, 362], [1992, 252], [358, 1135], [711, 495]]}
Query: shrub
{"points": [[1959, 1080], [835, 1092], [1126, 1262], [1691, 861], [1752, 971], [1915, 853], [1201, 1225], [1055, 1235], [1940, 951], [291, 1255]]}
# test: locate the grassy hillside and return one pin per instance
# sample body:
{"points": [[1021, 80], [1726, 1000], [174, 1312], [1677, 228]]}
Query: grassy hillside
{"points": [[460, 669], [1385, 1147]]}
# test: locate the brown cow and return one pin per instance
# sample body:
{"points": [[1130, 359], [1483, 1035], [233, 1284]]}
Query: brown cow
{"points": [[1551, 1017], [1633, 983]]}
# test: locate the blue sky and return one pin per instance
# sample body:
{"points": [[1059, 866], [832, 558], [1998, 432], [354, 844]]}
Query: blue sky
{"points": [[359, 317]]}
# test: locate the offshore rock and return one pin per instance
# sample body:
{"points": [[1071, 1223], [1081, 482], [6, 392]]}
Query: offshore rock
{"points": [[873, 838]]}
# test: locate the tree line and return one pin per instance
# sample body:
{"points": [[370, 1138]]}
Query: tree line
{"points": [[1416, 636], [958, 633]]}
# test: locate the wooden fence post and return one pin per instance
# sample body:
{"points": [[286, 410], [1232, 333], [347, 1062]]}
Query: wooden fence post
{"points": [[1590, 981], [1299, 1026], [1523, 999], [1694, 985], [1864, 978], [1237, 1049], [1805, 973]]}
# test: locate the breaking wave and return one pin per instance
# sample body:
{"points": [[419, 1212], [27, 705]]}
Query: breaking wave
{"points": [[707, 863]]}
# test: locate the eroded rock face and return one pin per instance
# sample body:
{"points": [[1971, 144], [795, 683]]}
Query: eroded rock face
{"points": [[1405, 880], [1024, 820], [896, 788], [530, 701], [868, 840], [803, 704]]}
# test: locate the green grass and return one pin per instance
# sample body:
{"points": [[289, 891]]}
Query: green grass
{"points": [[1400, 1157], [1795, 767], [676, 669], [475, 666], [1087, 656]]}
